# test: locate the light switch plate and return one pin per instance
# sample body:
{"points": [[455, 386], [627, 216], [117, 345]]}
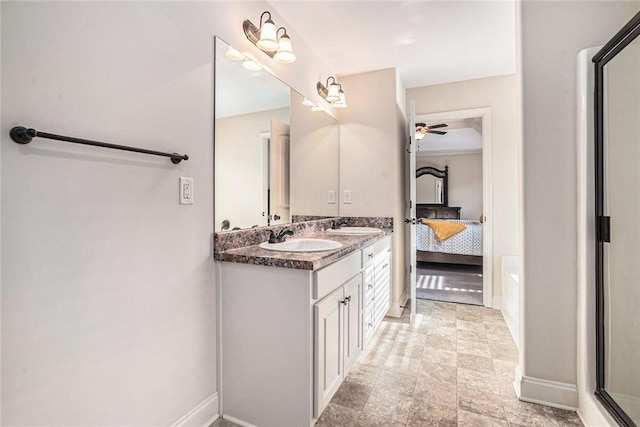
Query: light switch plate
{"points": [[347, 196], [331, 198], [186, 190]]}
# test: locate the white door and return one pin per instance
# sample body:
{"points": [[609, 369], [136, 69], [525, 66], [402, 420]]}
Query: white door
{"points": [[279, 174], [352, 321], [410, 208], [329, 367]]}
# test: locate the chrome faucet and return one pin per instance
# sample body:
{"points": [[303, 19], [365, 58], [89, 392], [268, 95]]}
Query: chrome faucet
{"points": [[338, 224], [280, 236]]}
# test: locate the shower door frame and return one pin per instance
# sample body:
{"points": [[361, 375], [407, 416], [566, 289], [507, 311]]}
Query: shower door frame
{"points": [[623, 38]]}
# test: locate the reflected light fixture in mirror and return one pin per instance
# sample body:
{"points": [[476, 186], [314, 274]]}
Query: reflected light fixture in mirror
{"points": [[332, 93], [266, 39]]}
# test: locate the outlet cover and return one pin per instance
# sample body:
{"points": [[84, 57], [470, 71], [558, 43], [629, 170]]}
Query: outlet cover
{"points": [[186, 191], [347, 196]]}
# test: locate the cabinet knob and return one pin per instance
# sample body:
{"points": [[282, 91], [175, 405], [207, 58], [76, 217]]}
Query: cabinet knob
{"points": [[370, 286], [386, 265], [370, 255], [346, 300]]}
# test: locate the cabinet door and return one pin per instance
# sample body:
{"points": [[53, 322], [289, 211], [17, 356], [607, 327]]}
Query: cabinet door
{"points": [[352, 321], [382, 285], [329, 368]]}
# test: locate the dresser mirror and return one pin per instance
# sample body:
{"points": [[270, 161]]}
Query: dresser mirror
{"points": [[274, 158], [432, 186]]}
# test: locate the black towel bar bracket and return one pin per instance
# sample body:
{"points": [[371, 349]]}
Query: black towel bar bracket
{"points": [[22, 135]]}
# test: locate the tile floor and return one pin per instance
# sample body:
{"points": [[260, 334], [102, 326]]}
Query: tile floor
{"points": [[453, 367]]}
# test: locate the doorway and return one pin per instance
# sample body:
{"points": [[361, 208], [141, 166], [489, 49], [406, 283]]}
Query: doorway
{"points": [[453, 150]]}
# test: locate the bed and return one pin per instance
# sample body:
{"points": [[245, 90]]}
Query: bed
{"points": [[463, 248]]}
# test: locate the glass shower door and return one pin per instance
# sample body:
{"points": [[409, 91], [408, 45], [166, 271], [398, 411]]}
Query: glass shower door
{"points": [[618, 214]]}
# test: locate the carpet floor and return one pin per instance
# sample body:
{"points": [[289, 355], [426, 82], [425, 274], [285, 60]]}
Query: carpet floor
{"points": [[449, 282]]}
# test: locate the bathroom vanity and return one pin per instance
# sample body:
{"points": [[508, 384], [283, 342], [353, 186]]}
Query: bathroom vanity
{"points": [[292, 324]]}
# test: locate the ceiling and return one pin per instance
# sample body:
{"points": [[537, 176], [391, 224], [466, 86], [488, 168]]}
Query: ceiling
{"points": [[430, 42], [462, 137]]}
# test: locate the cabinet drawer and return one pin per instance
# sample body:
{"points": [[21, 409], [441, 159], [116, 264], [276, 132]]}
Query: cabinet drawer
{"points": [[382, 245], [332, 276], [367, 255], [449, 215]]}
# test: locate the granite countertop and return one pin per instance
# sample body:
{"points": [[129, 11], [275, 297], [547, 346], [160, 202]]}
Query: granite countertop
{"points": [[302, 260]]}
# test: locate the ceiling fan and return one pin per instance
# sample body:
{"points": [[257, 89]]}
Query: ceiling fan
{"points": [[422, 129]]}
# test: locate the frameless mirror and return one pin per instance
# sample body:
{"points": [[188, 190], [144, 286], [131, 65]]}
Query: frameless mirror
{"points": [[275, 159], [431, 186]]}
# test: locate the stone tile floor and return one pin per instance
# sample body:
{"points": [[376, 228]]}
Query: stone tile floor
{"points": [[453, 367]]}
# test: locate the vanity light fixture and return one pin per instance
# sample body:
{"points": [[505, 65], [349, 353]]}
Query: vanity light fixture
{"points": [[332, 93], [266, 39], [234, 55]]}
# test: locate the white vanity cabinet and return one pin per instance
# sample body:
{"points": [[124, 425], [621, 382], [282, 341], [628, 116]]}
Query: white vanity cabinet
{"points": [[337, 339], [288, 337], [377, 286]]}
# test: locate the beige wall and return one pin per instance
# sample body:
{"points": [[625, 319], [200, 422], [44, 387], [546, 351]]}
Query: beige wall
{"points": [[239, 167], [371, 156], [552, 35], [500, 94], [465, 181], [315, 155]]}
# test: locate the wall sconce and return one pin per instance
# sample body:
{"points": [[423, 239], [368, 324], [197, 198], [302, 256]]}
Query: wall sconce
{"points": [[332, 93], [266, 39]]}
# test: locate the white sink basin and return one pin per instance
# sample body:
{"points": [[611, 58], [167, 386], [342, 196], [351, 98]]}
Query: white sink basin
{"points": [[355, 230], [302, 245]]}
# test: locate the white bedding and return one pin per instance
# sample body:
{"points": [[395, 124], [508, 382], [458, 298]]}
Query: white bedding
{"points": [[467, 242]]}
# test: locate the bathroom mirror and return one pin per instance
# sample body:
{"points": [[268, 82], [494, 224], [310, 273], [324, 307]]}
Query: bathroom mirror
{"points": [[431, 186], [275, 159]]}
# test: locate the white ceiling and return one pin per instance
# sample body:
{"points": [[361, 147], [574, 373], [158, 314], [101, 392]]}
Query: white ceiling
{"points": [[430, 42], [462, 137]]}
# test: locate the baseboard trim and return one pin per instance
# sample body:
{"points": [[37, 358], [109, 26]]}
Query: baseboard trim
{"points": [[237, 421], [202, 415], [592, 413], [395, 310], [497, 303], [545, 392]]}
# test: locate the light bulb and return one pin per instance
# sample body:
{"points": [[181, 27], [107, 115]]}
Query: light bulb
{"points": [[307, 103], [285, 51], [250, 65], [316, 108], [332, 94], [268, 39], [234, 54], [341, 102]]}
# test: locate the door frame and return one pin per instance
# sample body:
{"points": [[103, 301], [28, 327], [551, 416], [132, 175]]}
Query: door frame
{"points": [[487, 191]]}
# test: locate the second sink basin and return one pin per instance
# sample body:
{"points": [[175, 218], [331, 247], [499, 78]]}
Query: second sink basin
{"points": [[302, 245], [355, 230]]}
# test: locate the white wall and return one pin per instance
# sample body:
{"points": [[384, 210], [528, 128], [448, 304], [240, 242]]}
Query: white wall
{"points": [[501, 95], [552, 35], [465, 181], [372, 156], [108, 301]]}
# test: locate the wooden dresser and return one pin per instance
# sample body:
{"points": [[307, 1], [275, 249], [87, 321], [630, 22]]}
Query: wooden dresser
{"points": [[437, 212]]}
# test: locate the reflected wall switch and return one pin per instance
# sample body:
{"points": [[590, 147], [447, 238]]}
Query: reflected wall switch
{"points": [[186, 191], [347, 196], [331, 198]]}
